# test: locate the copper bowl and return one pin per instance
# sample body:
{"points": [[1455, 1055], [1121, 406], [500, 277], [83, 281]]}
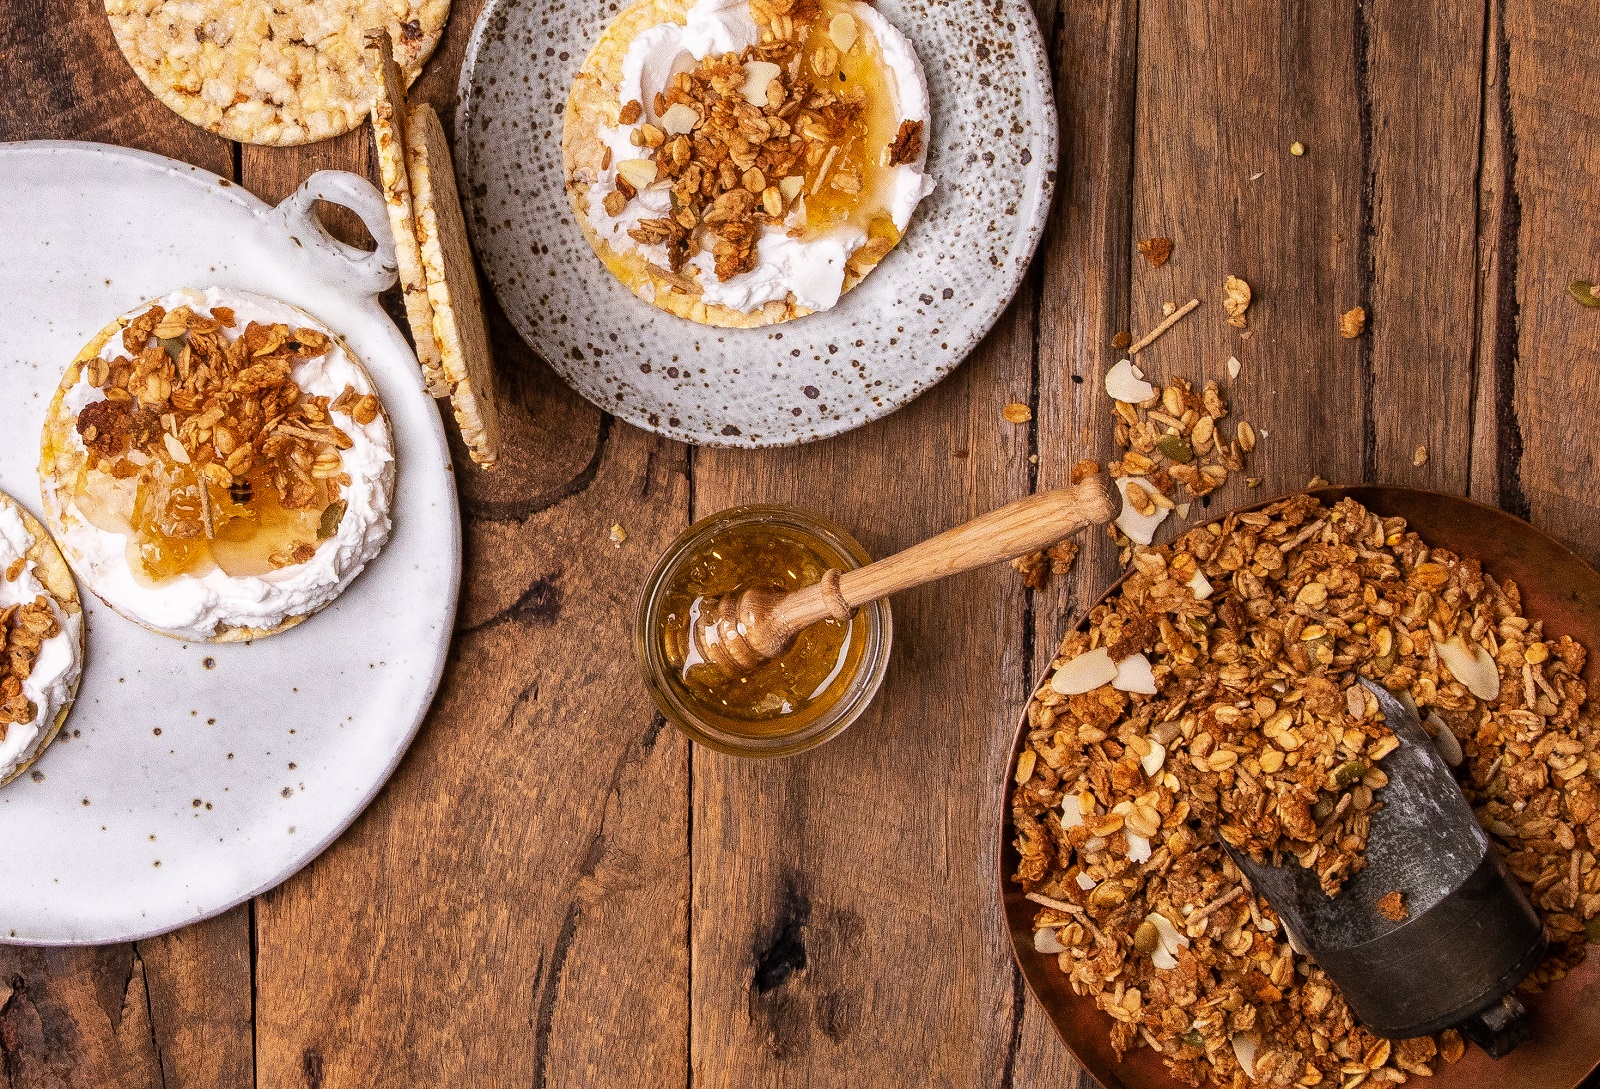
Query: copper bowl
{"points": [[1557, 587]]}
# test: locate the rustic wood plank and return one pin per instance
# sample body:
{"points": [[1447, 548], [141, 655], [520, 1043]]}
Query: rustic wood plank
{"points": [[76, 1019], [1420, 136], [201, 1003], [1224, 90], [845, 928], [1086, 275], [513, 907], [1495, 441], [1552, 141], [171, 1011]]}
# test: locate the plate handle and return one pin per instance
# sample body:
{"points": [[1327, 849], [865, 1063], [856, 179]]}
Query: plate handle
{"points": [[368, 272]]}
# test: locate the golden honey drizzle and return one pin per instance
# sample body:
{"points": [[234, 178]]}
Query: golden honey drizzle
{"points": [[865, 148]]}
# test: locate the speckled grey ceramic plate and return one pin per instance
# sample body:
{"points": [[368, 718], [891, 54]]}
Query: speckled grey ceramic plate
{"points": [[992, 148], [192, 776]]}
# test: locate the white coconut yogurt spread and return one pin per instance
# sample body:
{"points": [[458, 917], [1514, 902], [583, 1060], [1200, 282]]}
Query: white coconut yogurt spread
{"points": [[195, 606], [812, 269], [50, 686]]}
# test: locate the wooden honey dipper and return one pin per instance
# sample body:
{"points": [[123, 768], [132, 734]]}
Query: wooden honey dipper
{"points": [[737, 633]]}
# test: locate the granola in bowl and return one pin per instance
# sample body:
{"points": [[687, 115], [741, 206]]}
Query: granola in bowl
{"points": [[745, 162], [217, 466], [1215, 693]]}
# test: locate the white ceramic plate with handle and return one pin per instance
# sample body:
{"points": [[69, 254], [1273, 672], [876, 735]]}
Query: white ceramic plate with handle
{"points": [[193, 776]]}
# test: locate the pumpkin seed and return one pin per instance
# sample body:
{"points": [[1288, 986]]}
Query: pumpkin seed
{"points": [[332, 515], [1584, 292], [1175, 448]]}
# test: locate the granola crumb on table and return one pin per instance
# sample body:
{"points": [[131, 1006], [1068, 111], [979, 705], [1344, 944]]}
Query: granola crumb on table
{"points": [[1254, 630]]}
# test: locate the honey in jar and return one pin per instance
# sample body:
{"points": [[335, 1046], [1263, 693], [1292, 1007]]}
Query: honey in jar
{"points": [[803, 696]]}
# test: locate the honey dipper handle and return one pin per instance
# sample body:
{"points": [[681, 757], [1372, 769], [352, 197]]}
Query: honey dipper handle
{"points": [[1013, 530]]}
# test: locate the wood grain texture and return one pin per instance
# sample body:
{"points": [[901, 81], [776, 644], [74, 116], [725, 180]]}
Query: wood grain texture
{"points": [[844, 924], [1553, 140], [198, 986], [513, 908], [1224, 90], [1419, 100], [1085, 267]]}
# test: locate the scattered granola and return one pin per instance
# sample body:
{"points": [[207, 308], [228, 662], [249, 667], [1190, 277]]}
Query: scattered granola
{"points": [[618, 534], [1235, 300], [1037, 568], [1297, 149], [1174, 313], [1392, 906], [1017, 413], [1172, 436], [1122, 340], [1419, 457], [1254, 728], [1352, 322], [1156, 250]]}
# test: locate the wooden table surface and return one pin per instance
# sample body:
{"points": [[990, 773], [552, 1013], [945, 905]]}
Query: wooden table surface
{"points": [[555, 889]]}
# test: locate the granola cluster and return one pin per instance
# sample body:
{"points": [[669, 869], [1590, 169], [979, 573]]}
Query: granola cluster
{"points": [[24, 628], [742, 140], [1176, 437], [188, 405], [1231, 707]]}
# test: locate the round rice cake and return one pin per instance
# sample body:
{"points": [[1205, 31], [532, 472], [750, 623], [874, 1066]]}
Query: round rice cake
{"points": [[260, 72], [228, 593], [595, 112], [33, 708]]}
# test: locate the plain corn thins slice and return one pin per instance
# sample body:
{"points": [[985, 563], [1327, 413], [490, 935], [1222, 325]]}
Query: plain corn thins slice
{"points": [[458, 323], [269, 71], [389, 136]]}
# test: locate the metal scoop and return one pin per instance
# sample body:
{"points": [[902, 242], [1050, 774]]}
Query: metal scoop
{"points": [[1470, 935]]}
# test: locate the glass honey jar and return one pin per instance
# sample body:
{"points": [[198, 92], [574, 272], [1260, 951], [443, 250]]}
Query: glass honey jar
{"points": [[813, 691]]}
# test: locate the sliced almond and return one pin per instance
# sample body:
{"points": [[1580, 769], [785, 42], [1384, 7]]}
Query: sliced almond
{"points": [[1135, 675], [1084, 673], [790, 187], [757, 76], [679, 119], [1157, 757], [1125, 382], [842, 31], [639, 173], [1472, 666], [1140, 528]]}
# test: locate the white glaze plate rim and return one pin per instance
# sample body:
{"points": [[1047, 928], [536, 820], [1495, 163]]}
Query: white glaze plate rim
{"points": [[427, 530]]}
